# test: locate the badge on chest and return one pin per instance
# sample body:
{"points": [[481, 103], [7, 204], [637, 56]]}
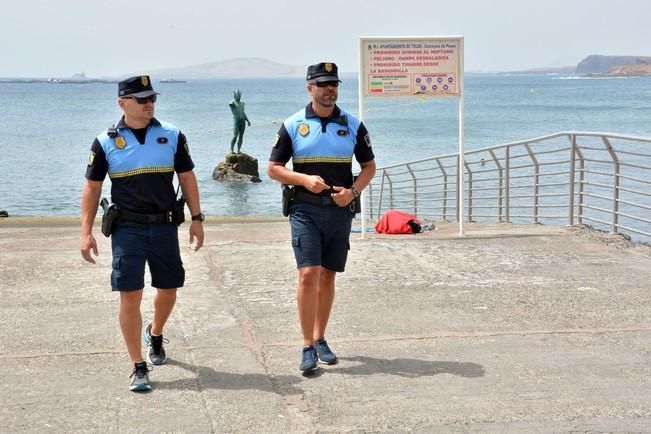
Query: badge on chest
{"points": [[120, 142]]}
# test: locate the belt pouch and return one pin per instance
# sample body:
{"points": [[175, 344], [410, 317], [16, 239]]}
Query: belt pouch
{"points": [[110, 219], [288, 196], [357, 205], [178, 213]]}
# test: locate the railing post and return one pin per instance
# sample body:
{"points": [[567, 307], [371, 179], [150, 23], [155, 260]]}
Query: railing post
{"points": [[580, 195], [392, 204], [507, 193], [570, 211], [500, 186], [459, 206], [379, 202], [536, 181], [469, 171], [413, 178], [445, 189], [613, 155]]}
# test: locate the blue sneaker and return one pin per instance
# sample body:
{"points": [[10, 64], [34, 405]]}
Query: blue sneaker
{"points": [[156, 353], [140, 378], [308, 362], [324, 352]]}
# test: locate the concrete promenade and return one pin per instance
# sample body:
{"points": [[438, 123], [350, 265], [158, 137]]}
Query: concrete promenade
{"points": [[510, 328]]}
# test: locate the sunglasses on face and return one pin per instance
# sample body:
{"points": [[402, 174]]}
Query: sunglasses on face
{"points": [[327, 84], [144, 100]]}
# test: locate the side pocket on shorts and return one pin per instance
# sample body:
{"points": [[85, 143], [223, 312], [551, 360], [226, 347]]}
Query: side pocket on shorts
{"points": [[115, 275], [296, 242]]}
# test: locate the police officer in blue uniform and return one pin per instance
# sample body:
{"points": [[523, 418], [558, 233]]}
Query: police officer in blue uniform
{"points": [[140, 155], [321, 140]]}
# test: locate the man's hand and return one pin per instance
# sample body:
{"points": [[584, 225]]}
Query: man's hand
{"points": [[342, 196], [315, 184], [86, 244], [196, 231], [248, 122]]}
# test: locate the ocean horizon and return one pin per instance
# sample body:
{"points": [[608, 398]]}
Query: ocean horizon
{"points": [[48, 128]]}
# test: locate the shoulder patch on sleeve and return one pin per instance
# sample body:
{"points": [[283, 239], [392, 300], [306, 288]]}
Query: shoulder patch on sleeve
{"points": [[367, 139]]}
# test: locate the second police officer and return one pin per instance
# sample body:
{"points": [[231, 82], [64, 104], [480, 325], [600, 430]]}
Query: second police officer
{"points": [[321, 140]]}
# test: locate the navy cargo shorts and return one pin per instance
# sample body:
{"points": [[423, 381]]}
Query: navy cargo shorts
{"points": [[320, 234], [156, 244]]}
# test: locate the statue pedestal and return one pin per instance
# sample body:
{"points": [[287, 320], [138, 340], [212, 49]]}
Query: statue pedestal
{"points": [[237, 167]]}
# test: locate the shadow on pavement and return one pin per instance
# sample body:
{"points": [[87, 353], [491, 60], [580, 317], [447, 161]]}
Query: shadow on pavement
{"points": [[407, 367], [209, 378]]}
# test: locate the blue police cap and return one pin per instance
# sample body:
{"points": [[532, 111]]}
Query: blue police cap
{"points": [[138, 86], [323, 71]]}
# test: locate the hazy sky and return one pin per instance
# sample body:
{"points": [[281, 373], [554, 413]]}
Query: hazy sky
{"points": [[45, 38]]}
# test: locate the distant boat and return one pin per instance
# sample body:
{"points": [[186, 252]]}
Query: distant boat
{"points": [[171, 80]]}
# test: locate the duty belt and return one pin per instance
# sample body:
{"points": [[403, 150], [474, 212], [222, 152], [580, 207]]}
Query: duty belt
{"points": [[305, 196], [164, 217]]}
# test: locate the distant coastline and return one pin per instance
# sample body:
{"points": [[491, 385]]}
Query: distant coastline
{"points": [[250, 67], [79, 78], [242, 68], [596, 65], [55, 81]]}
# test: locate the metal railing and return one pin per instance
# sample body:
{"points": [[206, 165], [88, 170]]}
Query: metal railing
{"points": [[574, 177]]}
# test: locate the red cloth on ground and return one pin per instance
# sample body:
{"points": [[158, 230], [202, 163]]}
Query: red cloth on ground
{"points": [[396, 222]]}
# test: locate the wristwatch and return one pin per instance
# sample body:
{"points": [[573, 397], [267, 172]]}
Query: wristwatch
{"points": [[199, 217], [356, 192]]}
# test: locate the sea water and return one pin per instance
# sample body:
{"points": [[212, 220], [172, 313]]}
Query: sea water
{"points": [[46, 129]]}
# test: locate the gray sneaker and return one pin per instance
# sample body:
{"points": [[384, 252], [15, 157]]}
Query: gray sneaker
{"points": [[156, 353], [140, 378]]}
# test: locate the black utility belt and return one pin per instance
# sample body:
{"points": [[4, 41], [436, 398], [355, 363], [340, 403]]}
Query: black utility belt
{"points": [[164, 217], [291, 195], [113, 215], [304, 196]]}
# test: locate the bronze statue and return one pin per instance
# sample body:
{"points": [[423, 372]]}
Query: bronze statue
{"points": [[239, 119]]}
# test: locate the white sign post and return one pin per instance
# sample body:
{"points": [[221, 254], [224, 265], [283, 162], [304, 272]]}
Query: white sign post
{"points": [[414, 67]]}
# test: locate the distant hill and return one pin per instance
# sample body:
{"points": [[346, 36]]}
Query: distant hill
{"points": [[250, 67], [598, 64], [601, 66]]}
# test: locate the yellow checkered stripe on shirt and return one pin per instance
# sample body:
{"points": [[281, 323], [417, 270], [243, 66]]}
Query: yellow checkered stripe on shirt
{"points": [[141, 171], [300, 160]]}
